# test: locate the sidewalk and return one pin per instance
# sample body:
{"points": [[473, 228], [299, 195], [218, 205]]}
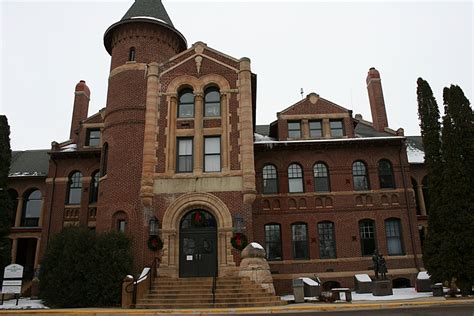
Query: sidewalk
{"points": [[303, 307]]}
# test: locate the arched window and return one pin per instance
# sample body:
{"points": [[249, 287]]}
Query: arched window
{"points": [[426, 193], [360, 176], [104, 158], [367, 236], [321, 177], [94, 189], [295, 178], [393, 232], [74, 188], [186, 103], [327, 244], [31, 209], [273, 241], [212, 102], [299, 234], [386, 175], [270, 179], [14, 205], [131, 54], [119, 221], [414, 185]]}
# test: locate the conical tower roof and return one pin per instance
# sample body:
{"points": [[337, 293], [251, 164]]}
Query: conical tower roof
{"points": [[148, 11], [148, 8]]}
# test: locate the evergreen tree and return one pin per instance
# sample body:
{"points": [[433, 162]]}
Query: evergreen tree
{"points": [[457, 249], [428, 114], [5, 201]]}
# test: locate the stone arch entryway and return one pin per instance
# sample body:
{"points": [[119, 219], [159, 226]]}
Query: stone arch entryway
{"points": [[172, 220]]}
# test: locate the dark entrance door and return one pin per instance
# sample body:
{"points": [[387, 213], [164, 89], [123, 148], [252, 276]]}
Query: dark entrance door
{"points": [[198, 245]]}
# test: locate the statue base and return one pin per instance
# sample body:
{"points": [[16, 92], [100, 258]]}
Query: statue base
{"points": [[382, 287]]}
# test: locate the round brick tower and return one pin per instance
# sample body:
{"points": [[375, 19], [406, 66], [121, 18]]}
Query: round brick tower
{"points": [[144, 35]]}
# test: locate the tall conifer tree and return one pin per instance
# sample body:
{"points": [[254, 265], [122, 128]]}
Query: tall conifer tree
{"points": [[457, 249], [428, 113], [5, 202]]}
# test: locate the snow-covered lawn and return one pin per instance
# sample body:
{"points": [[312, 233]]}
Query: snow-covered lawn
{"points": [[23, 303], [398, 294]]}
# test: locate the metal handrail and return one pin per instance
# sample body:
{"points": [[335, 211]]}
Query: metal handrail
{"points": [[214, 286], [151, 273]]}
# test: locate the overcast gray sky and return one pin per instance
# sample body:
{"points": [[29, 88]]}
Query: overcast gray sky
{"points": [[322, 47]]}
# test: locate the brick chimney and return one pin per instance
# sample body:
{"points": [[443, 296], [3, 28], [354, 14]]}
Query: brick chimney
{"points": [[82, 96], [377, 103]]}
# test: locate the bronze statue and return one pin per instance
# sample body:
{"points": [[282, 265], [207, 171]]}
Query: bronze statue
{"points": [[382, 266], [375, 261]]}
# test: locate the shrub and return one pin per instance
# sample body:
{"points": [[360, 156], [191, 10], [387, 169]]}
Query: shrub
{"points": [[83, 269]]}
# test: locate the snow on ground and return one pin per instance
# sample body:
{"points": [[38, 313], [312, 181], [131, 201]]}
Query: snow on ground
{"points": [[23, 303], [398, 294]]}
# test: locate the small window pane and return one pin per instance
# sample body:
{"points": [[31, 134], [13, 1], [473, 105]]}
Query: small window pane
{"points": [[295, 179], [270, 180], [273, 242], [75, 188], [386, 175], [186, 103], [94, 190], [300, 241], [327, 245], [185, 155], [32, 209], [393, 234], [360, 177], [336, 129], [212, 154], [321, 178], [315, 129], [367, 237], [93, 138], [212, 103], [121, 225]]}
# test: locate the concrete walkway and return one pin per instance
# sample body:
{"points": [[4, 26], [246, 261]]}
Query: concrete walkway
{"points": [[294, 308]]}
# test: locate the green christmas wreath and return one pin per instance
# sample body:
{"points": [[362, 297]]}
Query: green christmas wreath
{"points": [[239, 241], [155, 243]]}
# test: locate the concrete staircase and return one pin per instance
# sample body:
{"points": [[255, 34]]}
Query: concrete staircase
{"points": [[167, 293]]}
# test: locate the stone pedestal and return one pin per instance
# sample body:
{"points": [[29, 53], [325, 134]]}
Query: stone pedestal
{"points": [[363, 283], [382, 287], [255, 267]]}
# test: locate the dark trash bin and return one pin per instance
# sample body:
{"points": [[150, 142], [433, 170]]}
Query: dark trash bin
{"points": [[437, 289]]}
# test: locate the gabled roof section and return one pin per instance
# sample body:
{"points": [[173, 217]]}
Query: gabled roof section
{"points": [[150, 9], [313, 104], [29, 163]]}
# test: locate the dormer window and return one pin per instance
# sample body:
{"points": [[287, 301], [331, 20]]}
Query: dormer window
{"points": [[294, 129], [315, 129], [93, 138], [336, 128], [131, 54]]}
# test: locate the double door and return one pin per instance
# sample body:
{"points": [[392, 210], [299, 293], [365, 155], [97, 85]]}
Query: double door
{"points": [[198, 253]]}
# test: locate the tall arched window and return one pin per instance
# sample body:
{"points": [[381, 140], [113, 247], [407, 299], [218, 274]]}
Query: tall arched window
{"points": [[269, 179], [360, 176], [414, 185], [393, 233], [212, 102], [367, 237], [299, 237], [186, 103], [74, 188], [31, 209], [327, 244], [295, 178], [103, 159], [131, 54], [321, 177], [426, 193], [273, 241], [386, 175], [94, 189]]}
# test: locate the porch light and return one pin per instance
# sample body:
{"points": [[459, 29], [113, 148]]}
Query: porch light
{"points": [[153, 226]]}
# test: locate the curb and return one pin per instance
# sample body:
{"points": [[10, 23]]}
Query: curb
{"points": [[243, 310]]}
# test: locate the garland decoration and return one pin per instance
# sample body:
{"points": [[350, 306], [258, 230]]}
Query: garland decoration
{"points": [[155, 243], [239, 241]]}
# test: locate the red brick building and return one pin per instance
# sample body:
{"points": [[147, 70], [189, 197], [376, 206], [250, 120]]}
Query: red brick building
{"points": [[178, 143]]}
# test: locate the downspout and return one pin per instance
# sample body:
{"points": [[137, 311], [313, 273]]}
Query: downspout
{"points": [[52, 198], [407, 205]]}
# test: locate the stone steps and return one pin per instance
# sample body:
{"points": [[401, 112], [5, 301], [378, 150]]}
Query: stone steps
{"points": [[167, 293]]}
